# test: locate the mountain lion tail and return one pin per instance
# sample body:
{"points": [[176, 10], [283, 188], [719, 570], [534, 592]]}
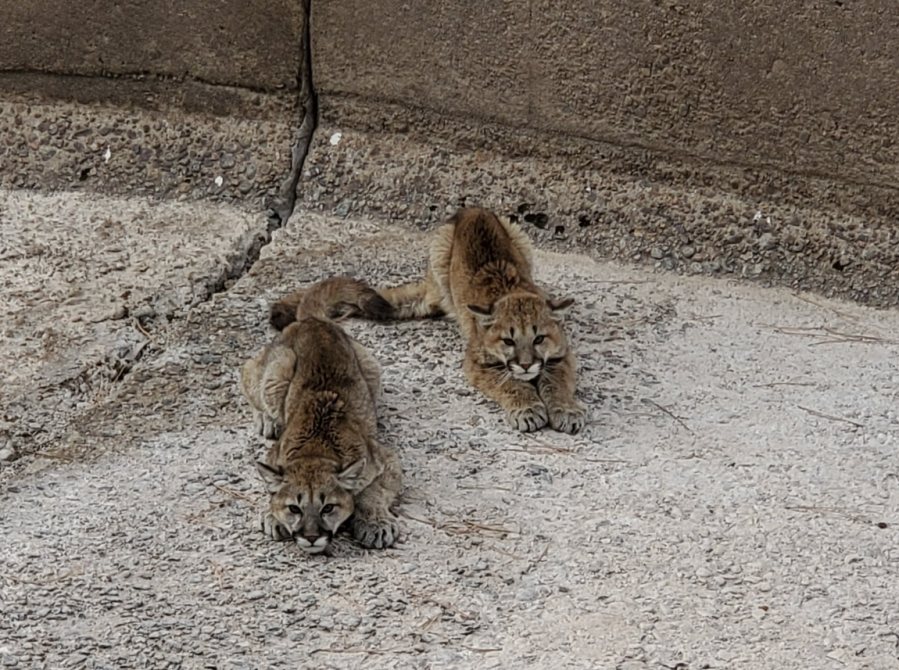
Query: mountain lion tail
{"points": [[336, 298], [414, 301]]}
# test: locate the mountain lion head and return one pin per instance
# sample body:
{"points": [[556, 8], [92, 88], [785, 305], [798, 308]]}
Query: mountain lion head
{"points": [[312, 501], [522, 332]]}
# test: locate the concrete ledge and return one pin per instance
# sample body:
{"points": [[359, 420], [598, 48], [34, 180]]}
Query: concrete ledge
{"points": [[576, 195]]}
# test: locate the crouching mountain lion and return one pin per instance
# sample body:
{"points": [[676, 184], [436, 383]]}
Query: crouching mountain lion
{"points": [[479, 273], [314, 389]]}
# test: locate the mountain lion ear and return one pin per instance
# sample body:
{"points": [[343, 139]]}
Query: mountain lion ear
{"points": [[484, 315], [351, 479], [273, 477], [559, 307]]}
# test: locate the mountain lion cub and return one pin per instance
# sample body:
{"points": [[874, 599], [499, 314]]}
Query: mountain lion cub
{"points": [[314, 389], [479, 273]]}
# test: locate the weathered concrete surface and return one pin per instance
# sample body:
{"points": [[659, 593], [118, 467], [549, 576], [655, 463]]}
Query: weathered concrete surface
{"points": [[808, 90], [251, 44], [568, 198], [733, 503], [82, 279], [160, 149]]}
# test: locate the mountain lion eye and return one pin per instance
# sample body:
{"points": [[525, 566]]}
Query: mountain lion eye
{"points": [[538, 339], [327, 509], [295, 509], [508, 342]]}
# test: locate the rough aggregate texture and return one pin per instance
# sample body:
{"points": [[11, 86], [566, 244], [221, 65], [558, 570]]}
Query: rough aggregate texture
{"points": [[637, 208], [218, 41], [804, 89], [734, 502], [82, 278], [126, 150]]}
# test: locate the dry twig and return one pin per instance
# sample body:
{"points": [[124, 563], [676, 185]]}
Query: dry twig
{"points": [[143, 331], [669, 413], [360, 650], [236, 494], [844, 315], [219, 572], [830, 417]]}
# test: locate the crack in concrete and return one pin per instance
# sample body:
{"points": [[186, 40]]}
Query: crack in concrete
{"points": [[283, 207]]}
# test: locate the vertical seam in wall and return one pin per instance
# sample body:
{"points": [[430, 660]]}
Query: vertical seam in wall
{"points": [[283, 206]]}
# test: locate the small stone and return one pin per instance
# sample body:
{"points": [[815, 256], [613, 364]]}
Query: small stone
{"points": [[767, 242], [538, 472], [527, 594], [227, 161], [255, 595], [350, 621], [343, 208], [8, 454], [144, 312], [687, 252], [657, 253]]}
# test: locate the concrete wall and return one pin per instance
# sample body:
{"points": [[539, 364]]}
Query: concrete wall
{"points": [[249, 44], [808, 87]]}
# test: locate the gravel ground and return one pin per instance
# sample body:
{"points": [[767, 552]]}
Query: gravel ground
{"points": [[734, 502]]}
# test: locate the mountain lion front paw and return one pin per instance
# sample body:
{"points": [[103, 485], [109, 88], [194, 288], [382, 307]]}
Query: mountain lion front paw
{"points": [[528, 419], [269, 427], [376, 532], [270, 526], [567, 419]]}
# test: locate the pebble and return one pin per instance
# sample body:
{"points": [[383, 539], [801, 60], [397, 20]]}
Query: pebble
{"points": [[143, 312], [8, 454], [527, 594], [767, 242]]}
